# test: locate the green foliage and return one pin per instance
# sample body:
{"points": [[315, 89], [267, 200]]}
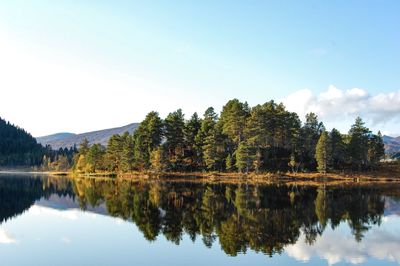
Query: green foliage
{"points": [[310, 133], [323, 152], [233, 120], [158, 160], [339, 153], [358, 145], [214, 149], [192, 150], [95, 158], [376, 149], [128, 153], [174, 139], [146, 138], [244, 157], [114, 153], [208, 123], [266, 137], [229, 163]]}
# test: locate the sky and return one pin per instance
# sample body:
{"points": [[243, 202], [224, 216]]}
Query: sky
{"points": [[77, 66]]}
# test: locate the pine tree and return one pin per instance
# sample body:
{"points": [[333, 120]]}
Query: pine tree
{"points": [[210, 152], [146, 138], [233, 120], [323, 153], [214, 149], [310, 133], [127, 156], [338, 149], [114, 153], [376, 149], [244, 158], [358, 145], [95, 158], [208, 124], [191, 130], [84, 146], [174, 138]]}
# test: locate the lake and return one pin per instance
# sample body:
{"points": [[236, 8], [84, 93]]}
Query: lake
{"points": [[60, 221]]}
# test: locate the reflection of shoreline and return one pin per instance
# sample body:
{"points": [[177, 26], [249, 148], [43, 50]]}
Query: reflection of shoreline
{"points": [[380, 242]]}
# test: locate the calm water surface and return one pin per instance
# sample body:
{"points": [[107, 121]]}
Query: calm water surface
{"points": [[58, 221]]}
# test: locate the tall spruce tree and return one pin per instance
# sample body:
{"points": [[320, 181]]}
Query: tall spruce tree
{"points": [[174, 138], [208, 124], [127, 155], [358, 145], [323, 153], [147, 137], [191, 130], [244, 158], [95, 158], [339, 156], [214, 152], [310, 133], [114, 153], [376, 150], [233, 120]]}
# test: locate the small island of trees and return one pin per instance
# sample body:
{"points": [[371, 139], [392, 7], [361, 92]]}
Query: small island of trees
{"points": [[264, 138]]}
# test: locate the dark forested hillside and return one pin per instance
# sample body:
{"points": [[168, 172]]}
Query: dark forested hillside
{"points": [[17, 147]]}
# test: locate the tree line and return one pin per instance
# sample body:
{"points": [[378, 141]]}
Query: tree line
{"points": [[264, 138], [19, 149]]}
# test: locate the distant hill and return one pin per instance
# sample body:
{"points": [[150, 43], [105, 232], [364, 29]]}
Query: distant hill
{"points": [[55, 137], [67, 140], [392, 145]]}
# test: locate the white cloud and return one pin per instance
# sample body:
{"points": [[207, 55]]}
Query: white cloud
{"points": [[341, 105], [336, 246], [6, 238]]}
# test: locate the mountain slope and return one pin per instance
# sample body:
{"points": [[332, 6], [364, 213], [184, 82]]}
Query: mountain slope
{"points": [[55, 137], [67, 140], [392, 145], [18, 147]]}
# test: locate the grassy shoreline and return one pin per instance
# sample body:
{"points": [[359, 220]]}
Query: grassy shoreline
{"points": [[386, 175], [389, 173]]}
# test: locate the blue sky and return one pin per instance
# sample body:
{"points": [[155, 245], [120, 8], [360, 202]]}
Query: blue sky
{"points": [[114, 61]]}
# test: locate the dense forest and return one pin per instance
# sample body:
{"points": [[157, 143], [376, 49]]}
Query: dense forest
{"points": [[264, 138], [17, 147]]}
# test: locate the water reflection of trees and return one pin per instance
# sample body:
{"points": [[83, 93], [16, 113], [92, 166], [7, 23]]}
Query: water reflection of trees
{"points": [[261, 218], [18, 193]]}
